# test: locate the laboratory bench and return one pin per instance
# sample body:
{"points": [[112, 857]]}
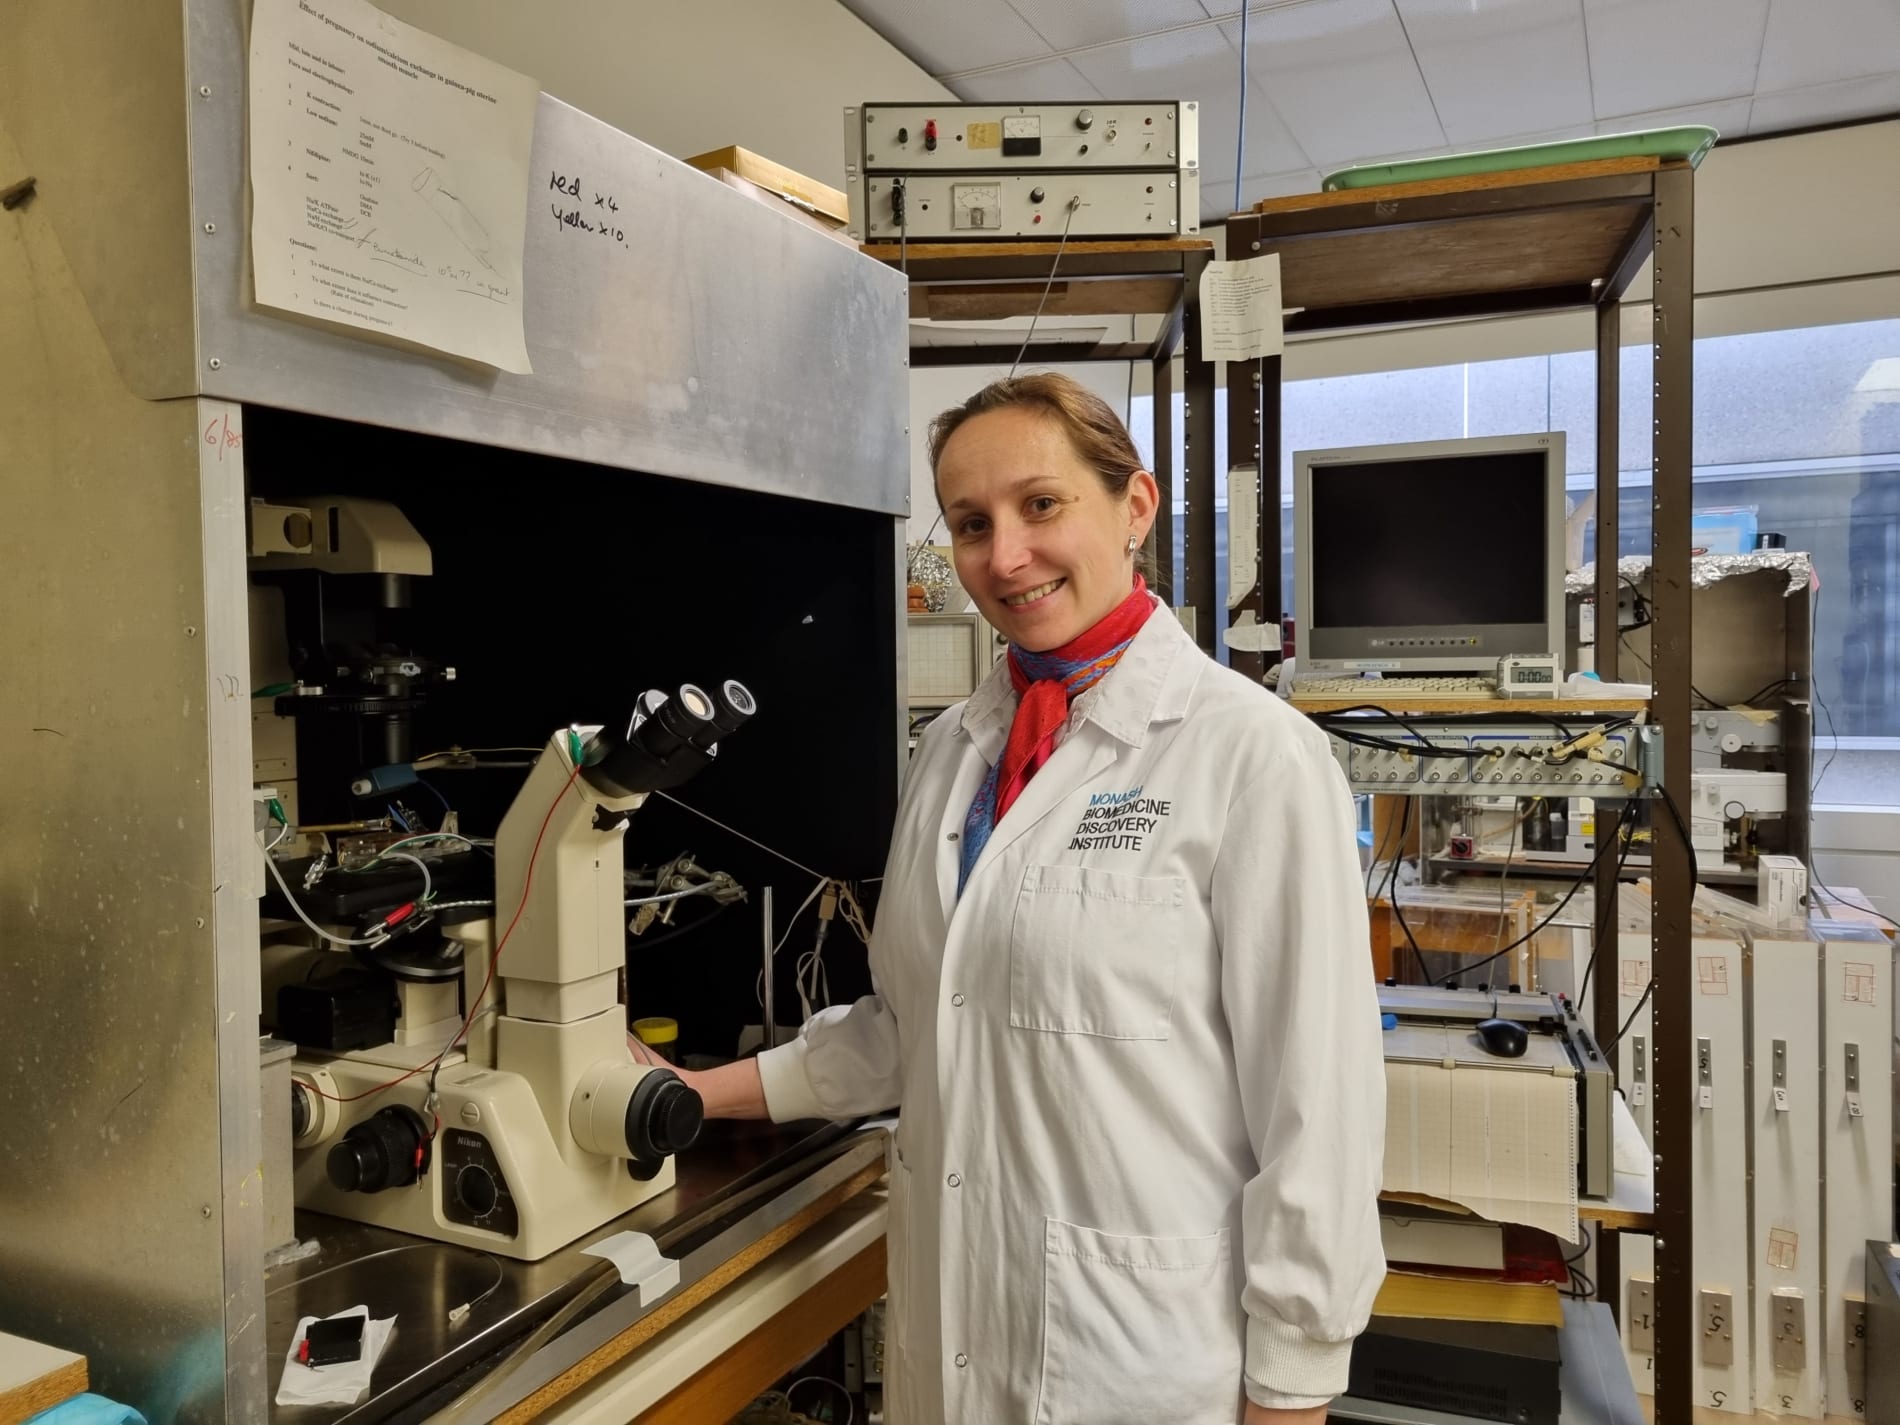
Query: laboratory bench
{"points": [[776, 1230]]}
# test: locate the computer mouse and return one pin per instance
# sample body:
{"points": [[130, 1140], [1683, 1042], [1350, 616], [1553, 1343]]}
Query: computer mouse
{"points": [[1504, 1037]]}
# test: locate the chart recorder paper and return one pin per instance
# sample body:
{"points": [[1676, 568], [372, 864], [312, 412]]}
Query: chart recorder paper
{"points": [[1499, 1141], [389, 179]]}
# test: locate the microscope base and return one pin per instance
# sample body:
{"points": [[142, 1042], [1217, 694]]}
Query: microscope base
{"points": [[497, 1180]]}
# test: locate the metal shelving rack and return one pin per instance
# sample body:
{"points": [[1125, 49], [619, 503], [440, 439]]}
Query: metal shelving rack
{"points": [[988, 281], [1572, 236]]}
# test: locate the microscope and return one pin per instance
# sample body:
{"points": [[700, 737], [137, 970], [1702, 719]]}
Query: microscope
{"points": [[541, 1126], [464, 1075]]}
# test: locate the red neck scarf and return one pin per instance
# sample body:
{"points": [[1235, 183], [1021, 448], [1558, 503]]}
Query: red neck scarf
{"points": [[1048, 683]]}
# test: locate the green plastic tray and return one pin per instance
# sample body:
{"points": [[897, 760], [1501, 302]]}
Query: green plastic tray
{"points": [[1689, 143]]}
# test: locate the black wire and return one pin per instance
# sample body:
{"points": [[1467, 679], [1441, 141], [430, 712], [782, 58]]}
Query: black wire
{"points": [[1814, 684], [1836, 897], [1418, 956], [1326, 719], [1675, 815], [1398, 911], [1556, 910], [1378, 855], [1708, 701], [647, 942], [1504, 875], [1391, 883], [1628, 836], [1425, 747], [1611, 1047], [1644, 621], [1386, 744], [1761, 693], [1582, 1251]]}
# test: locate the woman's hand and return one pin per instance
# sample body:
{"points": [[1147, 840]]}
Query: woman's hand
{"points": [[729, 1091], [1263, 1415]]}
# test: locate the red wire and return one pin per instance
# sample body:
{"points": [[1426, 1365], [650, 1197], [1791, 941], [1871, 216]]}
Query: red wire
{"points": [[494, 960]]}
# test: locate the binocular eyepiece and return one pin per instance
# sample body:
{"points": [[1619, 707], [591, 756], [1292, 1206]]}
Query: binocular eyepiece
{"points": [[668, 738]]}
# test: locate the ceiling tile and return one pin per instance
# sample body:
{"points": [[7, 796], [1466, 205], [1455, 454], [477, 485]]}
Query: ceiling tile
{"points": [[1183, 64], [1044, 81], [1217, 167], [1200, 65], [947, 39], [1824, 104], [1065, 24], [1342, 76], [1499, 67], [1729, 118], [1858, 37], [1655, 54], [1271, 146]]}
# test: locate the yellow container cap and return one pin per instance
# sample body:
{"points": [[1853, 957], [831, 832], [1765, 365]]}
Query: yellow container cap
{"points": [[657, 1030]]}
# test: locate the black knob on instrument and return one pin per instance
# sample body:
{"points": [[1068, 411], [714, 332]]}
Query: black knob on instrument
{"points": [[475, 1189], [663, 1116], [388, 1149]]}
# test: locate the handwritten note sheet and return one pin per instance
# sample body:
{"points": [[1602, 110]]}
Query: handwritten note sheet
{"points": [[389, 177], [1240, 309]]}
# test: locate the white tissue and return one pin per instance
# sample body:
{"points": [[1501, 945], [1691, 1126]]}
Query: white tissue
{"points": [[341, 1384]]}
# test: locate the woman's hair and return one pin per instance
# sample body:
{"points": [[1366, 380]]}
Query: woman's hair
{"points": [[1093, 428]]}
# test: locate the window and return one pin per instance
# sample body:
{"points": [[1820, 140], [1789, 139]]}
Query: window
{"points": [[1796, 432]]}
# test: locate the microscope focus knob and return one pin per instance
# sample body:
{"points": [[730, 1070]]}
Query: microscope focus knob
{"points": [[475, 1189], [663, 1117], [386, 1150]]}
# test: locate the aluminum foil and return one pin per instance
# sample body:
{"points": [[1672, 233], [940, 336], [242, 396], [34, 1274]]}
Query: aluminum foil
{"points": [[932, 570], [1707, 569]]}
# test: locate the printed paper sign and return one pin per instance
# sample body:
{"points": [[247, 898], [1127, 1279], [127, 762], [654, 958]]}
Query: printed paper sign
{"points": [[1240, 309], [389, 175]]}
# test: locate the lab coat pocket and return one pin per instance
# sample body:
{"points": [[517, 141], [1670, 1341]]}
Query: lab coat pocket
{"points": [[1093, 952], [1138, 1329]]}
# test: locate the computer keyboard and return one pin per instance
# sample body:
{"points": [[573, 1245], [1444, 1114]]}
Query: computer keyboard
{"points": [[1447, 686]]}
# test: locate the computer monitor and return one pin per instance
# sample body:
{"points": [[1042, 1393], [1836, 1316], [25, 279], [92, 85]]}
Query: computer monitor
{"points": [[1433, 557]]}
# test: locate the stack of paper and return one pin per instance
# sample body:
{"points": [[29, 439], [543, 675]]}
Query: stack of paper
{"points": [[1445, 1266]]}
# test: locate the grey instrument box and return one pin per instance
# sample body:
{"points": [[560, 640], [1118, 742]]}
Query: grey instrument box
{"points": [[961, 172]]}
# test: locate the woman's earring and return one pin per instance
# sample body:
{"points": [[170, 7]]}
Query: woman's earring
{"points": [[1134, 543]]}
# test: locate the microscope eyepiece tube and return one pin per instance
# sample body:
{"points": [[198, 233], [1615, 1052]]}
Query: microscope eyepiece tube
{"points": [[681, 719], [733, 706]]}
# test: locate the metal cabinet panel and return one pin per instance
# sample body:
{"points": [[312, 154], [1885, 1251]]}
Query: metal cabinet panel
{"points": [[1785, 1146], [131, 1219], [1719, 1341], [1856, 1111]]}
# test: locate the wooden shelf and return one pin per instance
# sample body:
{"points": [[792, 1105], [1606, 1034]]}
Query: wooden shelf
{"points": [[1083, 257], [1531, 240], [953, 282]]}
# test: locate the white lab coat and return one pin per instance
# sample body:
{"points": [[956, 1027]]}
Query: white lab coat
{"points": [[1138, 1062]]}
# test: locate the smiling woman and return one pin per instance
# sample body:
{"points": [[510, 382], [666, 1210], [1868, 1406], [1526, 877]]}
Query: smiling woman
{"points": [[1138, 1059], [1047, 505]]}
